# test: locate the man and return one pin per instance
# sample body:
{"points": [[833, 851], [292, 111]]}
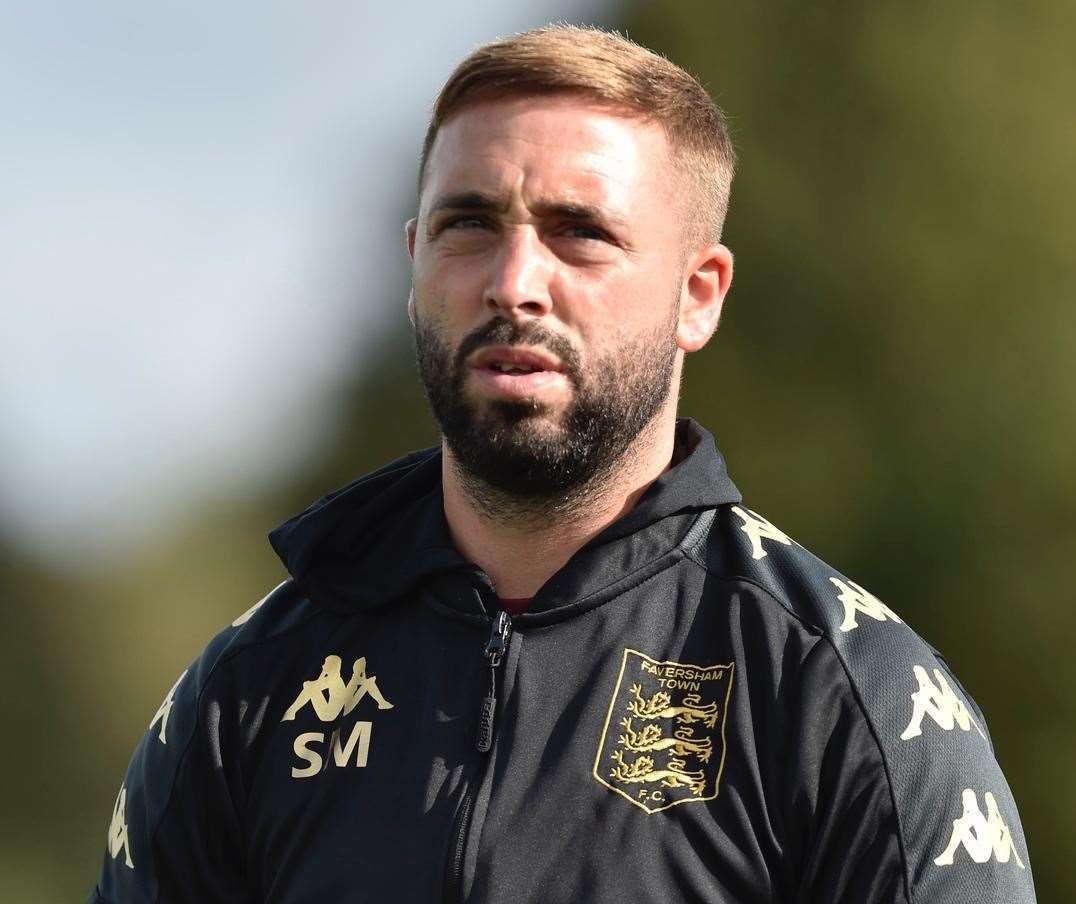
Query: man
{"points": [[557, 659]]}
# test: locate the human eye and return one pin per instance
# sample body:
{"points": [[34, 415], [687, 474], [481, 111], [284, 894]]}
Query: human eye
{"points": [[587, 231], [459, 227], [465, 221], [587, 234]]}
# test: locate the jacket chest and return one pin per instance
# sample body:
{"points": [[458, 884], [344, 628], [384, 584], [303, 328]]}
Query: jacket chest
{"points": [[605, 758]]}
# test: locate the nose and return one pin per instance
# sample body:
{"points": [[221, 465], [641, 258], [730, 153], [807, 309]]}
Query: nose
{"points": [[518, 286]]}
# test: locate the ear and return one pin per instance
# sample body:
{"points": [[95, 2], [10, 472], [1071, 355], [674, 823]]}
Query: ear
{"points": [[706, 282], [410, 230]]}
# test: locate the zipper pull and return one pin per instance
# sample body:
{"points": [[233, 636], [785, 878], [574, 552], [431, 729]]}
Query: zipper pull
{"points": [[494, 652]]}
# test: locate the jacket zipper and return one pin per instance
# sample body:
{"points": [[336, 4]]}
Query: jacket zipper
{"points": [[494, 651]]}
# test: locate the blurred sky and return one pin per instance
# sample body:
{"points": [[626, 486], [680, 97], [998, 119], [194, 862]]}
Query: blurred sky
{"points": [[200, 226]]}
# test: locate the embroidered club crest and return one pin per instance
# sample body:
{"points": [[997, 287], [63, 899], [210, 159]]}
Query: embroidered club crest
{"points": [[664, 737]]}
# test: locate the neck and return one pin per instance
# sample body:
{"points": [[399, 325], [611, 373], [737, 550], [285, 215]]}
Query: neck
{"points": [[520, 544]]}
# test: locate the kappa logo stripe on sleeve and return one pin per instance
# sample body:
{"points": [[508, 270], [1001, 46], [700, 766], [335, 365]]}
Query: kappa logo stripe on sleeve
{"points": [[165, 710], [919, 716], [982, 837], [938, 701], [117, 829]]}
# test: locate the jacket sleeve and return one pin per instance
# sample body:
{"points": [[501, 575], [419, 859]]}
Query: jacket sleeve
{"points": [[174, 834], [895, 793], [900, 798]]}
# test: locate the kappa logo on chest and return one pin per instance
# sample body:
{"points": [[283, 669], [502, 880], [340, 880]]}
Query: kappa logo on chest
{"points": [[664, 737], [331, 698]]}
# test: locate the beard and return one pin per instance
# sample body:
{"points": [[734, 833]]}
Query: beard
{"points": [[517, 458]]}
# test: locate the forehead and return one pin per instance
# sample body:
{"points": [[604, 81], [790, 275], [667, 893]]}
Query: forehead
{"points": [[559, 145]]}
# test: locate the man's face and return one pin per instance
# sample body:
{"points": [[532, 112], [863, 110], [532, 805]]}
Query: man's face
{"points": [[548, 268]]}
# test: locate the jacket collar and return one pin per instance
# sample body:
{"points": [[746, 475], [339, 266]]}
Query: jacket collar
{"points": [[385, 536]]}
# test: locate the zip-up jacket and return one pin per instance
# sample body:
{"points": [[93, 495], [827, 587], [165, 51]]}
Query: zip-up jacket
{"points": [[693, 709]]}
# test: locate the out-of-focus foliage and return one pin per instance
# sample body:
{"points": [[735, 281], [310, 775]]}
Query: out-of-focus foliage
{"points": [[893, 383]]}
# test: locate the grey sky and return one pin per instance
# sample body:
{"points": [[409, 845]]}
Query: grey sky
{"points": [[190, 191]]}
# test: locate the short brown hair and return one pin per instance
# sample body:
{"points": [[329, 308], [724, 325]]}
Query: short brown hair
{"points": [[612, 69]]}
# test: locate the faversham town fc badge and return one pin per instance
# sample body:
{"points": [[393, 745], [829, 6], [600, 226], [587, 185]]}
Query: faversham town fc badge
{"points": [[664, 738]]}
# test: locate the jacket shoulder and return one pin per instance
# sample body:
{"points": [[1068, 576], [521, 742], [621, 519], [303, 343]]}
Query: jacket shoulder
{"points": [[282, 611], [959, 823], [176, 826], [743, 544]]}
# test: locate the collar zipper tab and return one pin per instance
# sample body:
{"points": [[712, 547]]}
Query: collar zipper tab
{"points": [[494, 653]]}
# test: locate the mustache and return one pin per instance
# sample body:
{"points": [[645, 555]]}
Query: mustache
{"points": [[499, 331]]}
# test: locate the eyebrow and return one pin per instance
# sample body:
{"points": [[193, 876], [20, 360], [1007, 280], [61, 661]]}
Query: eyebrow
{"points": [[468, 200], [477, 201]]}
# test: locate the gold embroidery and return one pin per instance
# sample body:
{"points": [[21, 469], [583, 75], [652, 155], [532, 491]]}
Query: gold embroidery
{"points": [[981, 836], [671, 748], [856, 599], [940, 703], [683, 742], [330, 697], [758, 529], [658, 707], [165, 709], [117, 829]]}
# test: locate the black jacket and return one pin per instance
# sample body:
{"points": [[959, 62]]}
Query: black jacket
{"points": [[694, 708]]}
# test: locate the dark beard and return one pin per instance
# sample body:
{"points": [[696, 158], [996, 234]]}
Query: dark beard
{"points": [[511, 462]]}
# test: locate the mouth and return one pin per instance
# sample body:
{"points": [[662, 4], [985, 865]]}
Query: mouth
{"points": [[515, 359], [517, 372]]}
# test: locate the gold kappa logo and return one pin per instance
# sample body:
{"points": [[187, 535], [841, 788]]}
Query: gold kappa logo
{"points": [[664, 737], [332, 699]]}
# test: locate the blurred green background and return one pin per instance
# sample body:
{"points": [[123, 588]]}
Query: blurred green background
{"points": [[893, 384]]}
